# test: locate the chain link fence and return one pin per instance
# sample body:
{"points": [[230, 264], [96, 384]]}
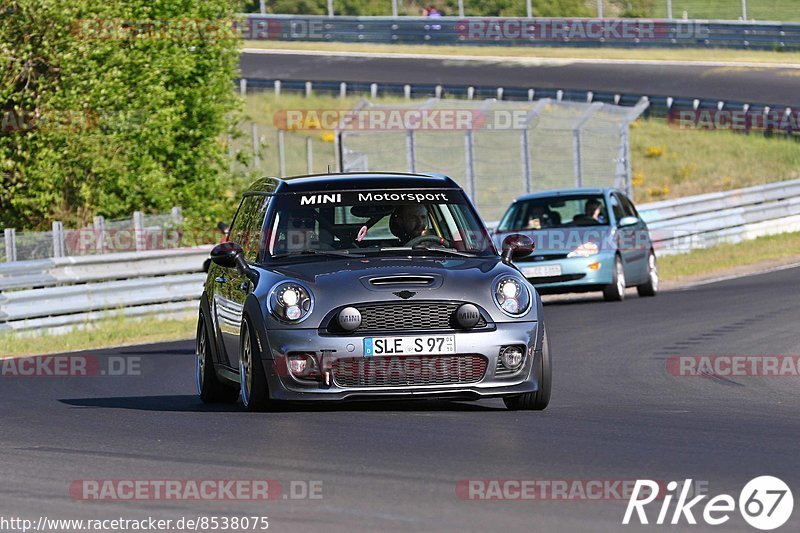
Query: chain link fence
{"points": [[136, 233], [500, 149]]}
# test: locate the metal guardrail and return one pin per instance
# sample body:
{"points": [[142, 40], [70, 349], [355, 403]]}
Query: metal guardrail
{"points": [[686, 224], [58, 293], [573, 32]]}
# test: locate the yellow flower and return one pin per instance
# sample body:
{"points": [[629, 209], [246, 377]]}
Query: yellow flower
{"points": [[638, 179], [654, 151], [328, 137]]}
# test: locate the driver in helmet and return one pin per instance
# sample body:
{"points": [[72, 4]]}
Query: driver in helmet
{"points": [[409, 222]]}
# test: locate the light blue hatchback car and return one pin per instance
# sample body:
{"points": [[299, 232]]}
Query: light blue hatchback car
{"points": [[586, 240]]}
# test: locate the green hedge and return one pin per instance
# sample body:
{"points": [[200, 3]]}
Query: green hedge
{"points": [[101, 120]]}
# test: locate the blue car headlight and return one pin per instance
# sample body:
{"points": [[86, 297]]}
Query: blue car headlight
{"points": [[290, 302], [512, 296], [585, 250]]}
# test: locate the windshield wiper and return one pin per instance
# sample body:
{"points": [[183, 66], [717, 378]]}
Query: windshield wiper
{"points": [[334, 253], [450, 251]]}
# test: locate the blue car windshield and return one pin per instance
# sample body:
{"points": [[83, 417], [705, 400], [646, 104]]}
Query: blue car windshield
{"points": [[556, 212], [363, 222]]}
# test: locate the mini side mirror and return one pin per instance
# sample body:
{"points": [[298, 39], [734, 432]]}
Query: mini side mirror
{"points": [[517, 246], [225, 254]]}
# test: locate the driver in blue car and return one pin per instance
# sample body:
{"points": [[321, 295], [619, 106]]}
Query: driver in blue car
{"points": [[409, 221]]}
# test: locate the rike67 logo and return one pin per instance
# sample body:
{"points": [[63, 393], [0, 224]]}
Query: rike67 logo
{"points": [[765, 503]]}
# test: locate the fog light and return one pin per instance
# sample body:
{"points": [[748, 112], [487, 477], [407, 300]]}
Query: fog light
{"points": [[594, 266], [304, 366], [511, 357]]}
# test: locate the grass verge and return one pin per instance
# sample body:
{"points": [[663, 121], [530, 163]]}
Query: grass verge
{"points": [[648, 54], [731, 259], [103, 334]]}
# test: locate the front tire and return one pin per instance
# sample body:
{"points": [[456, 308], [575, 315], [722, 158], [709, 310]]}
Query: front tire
{"points": [[536, 401], [616, 291], [209, 387], [651, 287], [254, 389]]}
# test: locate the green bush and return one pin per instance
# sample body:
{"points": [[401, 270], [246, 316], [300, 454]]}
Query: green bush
{"points": [[132, 122]]}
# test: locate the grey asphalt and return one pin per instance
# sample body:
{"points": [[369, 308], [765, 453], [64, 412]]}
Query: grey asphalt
{"points": [[751, 85], [616, 414]]}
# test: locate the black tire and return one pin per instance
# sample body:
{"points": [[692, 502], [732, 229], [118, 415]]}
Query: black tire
{"points": [[616, 291], [209, 387], [536, 401], [254, 388], [651, 287]]}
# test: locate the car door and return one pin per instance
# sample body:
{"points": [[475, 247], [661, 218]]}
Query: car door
{"points": [[641, 244], [628, 239], [236, 285]]}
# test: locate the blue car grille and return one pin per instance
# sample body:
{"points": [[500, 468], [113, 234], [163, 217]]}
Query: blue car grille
{"points": [[413, 370]]}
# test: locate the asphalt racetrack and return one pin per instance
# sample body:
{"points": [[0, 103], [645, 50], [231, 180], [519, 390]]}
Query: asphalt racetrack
{"points": [[616, 414], [755, 85]]}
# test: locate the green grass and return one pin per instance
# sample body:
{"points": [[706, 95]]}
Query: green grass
{"points": [[682, 54], [731, 258], [102, 334]]}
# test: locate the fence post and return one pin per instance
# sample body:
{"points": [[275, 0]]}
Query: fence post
{"points": [[529, 8], [263, 7], [599, 9], [461, 8], [337, 152], [526, 161], [330, 8], [177, 215], [744, 9], [394, 8], [469, 153], [669, 9], [243, 86], [256, 145], [628, 178], [411, 155], [11, 244], [138, 231], [58, 239], [310, 155], [282, 153], [99, 225]]}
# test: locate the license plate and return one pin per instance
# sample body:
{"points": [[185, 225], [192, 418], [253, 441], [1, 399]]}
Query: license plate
{"points": [[429, 345], [542, 271]]}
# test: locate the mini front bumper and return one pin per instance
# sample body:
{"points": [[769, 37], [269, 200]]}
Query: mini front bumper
{"points": [[285, 386]]}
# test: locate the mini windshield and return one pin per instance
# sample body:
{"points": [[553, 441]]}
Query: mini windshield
{"points": [[556, 212], [363, 222]]}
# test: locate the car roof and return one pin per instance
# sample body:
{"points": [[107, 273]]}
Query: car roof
{"points": [[353, 181], [566, 192]]}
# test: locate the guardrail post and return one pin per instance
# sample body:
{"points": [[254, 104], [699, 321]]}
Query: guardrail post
{"points": [[309, 89], [231, 155], [310, 155], [58, 239], [99, 225], [11, 244], [256, 145], [277, 85], [342, 90], [407, 91], [243, 86], [470, 93], [373, 90], [177, 215], [469, 154], [282, 153], [138, 231]]}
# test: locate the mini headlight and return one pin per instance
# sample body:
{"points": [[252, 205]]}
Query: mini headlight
{"points": [[290, 302], [511, 357], [512, 296], [585, 250]]}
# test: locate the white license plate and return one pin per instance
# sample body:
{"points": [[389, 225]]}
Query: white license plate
{"points": [[429, 345], [542, 271]]}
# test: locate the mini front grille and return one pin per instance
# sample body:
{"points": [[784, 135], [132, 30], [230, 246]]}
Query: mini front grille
{"points": [[408, 370], [405, 316]]}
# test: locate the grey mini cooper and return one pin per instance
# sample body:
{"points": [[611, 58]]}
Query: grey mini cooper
{"points": [[368, 286]]}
